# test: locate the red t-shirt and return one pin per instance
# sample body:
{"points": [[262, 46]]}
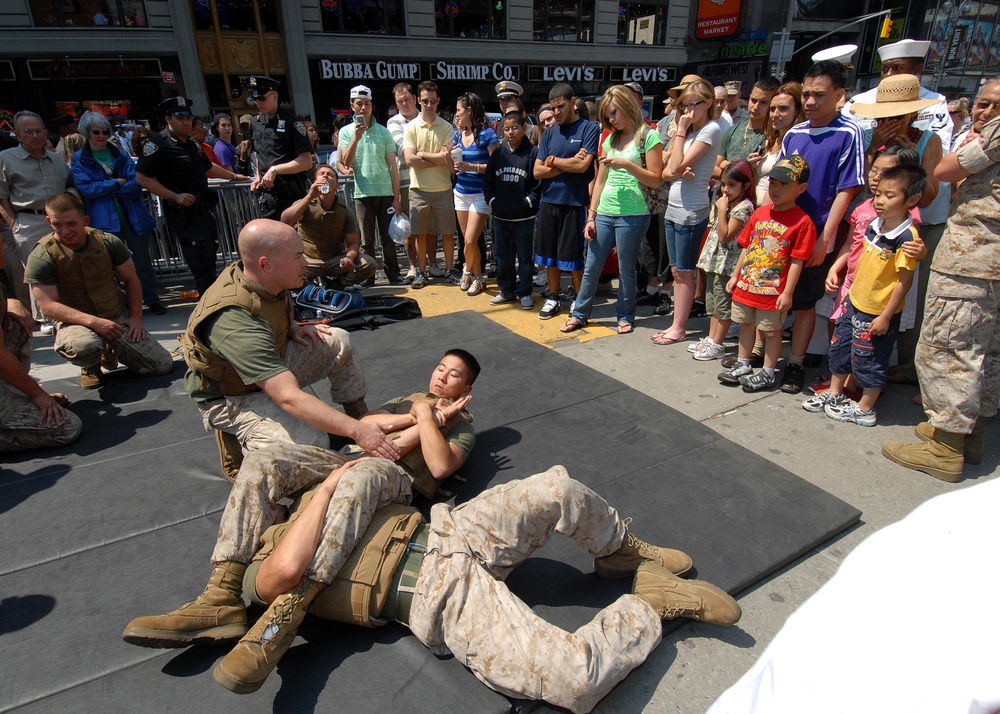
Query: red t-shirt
{"points": [[772, 239]]}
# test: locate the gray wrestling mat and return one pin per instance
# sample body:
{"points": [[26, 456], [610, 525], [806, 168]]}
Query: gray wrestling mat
{"points": [[122, 524]]}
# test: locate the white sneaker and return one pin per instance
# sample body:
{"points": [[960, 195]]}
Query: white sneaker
{"points": [[466, 281], [710, 351], [411, 274], [695, 346], [550, 308], [478, 285], [48, 328], [435, 271]]}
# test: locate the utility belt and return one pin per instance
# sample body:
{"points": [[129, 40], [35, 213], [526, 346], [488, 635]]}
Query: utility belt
{"points": [[202, 205], [292, 186], [404, 581]]}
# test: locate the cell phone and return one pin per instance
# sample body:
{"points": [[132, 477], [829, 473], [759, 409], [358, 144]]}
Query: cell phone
{"points": [[359, 119]]}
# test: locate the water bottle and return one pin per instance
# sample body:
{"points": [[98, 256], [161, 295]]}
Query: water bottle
{"points": [[325, 188]]}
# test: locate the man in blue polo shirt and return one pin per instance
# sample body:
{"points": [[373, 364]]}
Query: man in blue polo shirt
{"points": [[834, 148], [565, 166]]}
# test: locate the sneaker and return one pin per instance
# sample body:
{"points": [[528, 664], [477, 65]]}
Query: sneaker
{"points": [[698, 309], [419, 281], [48, 328], [818, 403], [411, 274], [793, 379], [757, 382], [710, 351], [542, 278], [648, 299], [733, 374], [666, 305], [398, 280], [478, 285], [550, 309], [466, 281], [756, 360], [501, 299], [695, 346], [671, 597], [156, 307], [527, 303], [849, 411], [435, 271], [568, 294], [369, 283], [454, 275]]}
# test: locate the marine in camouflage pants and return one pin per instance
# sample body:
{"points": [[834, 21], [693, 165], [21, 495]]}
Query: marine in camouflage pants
{"points": [[259, 423], [83, 347], [462, 605], [19, 427], [958, 357], [364, 267], [285, 469]]}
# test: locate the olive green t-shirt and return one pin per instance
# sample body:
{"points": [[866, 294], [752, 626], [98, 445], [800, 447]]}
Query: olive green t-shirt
{"points": [[462, 434], [41, 268]]}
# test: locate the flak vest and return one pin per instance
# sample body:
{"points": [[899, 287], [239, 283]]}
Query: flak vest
{"points": [[86, 278], [363, 586], [233, 289], [413, 463]]}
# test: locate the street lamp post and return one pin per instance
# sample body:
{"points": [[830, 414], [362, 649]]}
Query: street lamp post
{"points": [[953, 12]]}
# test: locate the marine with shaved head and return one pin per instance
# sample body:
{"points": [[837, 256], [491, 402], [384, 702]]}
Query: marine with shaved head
{"points": [[248, 360]]}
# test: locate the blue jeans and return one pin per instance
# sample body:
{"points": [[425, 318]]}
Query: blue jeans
{"points": [[139, 247], [684, 243], [510, 239], [627, 233]]}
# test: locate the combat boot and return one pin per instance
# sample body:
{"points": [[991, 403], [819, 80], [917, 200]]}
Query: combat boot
{"points": [[217, 615], [230, 454], [109, 358], [356, 409], [673, 597], [634, 552], [941, 456], [91, 377], [975, 443], [255, 656]]}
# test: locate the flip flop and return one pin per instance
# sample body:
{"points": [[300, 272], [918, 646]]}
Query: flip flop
{"points": [[660, 339], [572, 325], [625, 327]]}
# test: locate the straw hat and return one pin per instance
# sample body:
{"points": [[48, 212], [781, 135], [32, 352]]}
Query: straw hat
{"points": [[675, 92], [897, 95]]}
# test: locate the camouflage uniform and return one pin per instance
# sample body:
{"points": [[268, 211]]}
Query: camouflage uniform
{"points": [[19, 427], [958, 357], [461, 604], [286, 469], [260, 423], [83, 347]]}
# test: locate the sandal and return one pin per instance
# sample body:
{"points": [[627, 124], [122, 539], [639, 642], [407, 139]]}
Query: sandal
{"points": [[571, 325], [662, 339], [625, 327]]}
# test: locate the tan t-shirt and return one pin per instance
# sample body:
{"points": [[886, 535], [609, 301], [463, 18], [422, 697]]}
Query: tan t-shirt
{"points": [[421, 136]]}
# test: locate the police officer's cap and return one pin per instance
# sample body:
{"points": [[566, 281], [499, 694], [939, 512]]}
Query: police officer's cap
{"points": [[178, 106], [259, 86], [507, 88]]}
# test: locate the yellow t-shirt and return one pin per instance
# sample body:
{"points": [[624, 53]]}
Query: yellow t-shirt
{"points": [[879, 265], [421, 136]]}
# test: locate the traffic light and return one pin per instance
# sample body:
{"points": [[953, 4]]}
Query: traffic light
{"points": [[886, 31]]}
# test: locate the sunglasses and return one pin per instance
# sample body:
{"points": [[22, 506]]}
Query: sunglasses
{"points": [[101, 132], [429, 102], [692, 105]]}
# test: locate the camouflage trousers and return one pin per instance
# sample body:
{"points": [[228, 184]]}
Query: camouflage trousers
{"points": [[83, 347], [463, 606], [958, 357], [268, 476], [258, 422], [19, 427], [364, 267]]}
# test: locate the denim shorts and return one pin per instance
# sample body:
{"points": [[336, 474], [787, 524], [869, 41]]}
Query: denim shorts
{"points": [[684, 243], [854, 350]]}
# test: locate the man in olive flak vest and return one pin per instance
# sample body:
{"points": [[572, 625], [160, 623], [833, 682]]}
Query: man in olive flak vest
{"points": [[432, 431], [72, 273], [248, 360]]}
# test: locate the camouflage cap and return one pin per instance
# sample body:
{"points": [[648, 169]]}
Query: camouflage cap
{"points": [[791, 169]]}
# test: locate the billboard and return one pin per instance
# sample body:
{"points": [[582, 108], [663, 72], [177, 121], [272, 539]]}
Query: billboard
{"points": [[717, 19]]}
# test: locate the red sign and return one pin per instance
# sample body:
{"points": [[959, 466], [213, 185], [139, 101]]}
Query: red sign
{"points": [[168, 78], [717, 19]]}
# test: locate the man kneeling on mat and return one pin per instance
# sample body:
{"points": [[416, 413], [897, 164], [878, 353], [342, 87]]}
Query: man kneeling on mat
{"points": [[445, 581], [431, 430]]}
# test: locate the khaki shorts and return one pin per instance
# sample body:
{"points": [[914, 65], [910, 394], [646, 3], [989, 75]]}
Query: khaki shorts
{"points": [[766, 320], [432, 213]]}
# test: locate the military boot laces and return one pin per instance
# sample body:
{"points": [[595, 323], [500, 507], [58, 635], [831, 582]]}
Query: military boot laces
{"points": [[671, 597], [249, 664], [217, 615], [634, 552]]}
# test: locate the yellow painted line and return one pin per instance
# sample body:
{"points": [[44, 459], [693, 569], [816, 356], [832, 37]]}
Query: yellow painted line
{"points": [[441, 299]]}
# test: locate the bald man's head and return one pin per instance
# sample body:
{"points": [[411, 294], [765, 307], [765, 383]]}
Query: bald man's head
{"points": [[272, 254]]}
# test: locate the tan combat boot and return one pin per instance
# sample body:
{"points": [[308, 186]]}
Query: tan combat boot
{"points": [[255, 656], [941, 456], [217, 615], [91, 377], [975, 443], [673, 597], [230, 454], [634, 552], [109, 358]]}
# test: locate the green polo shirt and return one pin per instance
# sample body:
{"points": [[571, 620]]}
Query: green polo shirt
{"points": [[371, 167]]}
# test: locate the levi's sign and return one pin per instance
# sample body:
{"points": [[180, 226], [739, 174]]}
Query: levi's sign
{"points": [[368, 70], [565, 74], [643, 74]]}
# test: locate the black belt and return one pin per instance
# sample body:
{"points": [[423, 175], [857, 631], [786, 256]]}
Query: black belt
{"points": [[33, 211], [404, 582]]}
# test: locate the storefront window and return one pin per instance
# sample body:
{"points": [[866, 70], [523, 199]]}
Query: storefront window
{"points": [[641, 23], [482, 19], [564, 20], [89, 13], [363, 17]]}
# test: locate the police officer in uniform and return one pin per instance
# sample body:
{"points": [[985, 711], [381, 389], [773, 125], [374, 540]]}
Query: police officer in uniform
{"points": [[173, 166], [284, 152]]}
